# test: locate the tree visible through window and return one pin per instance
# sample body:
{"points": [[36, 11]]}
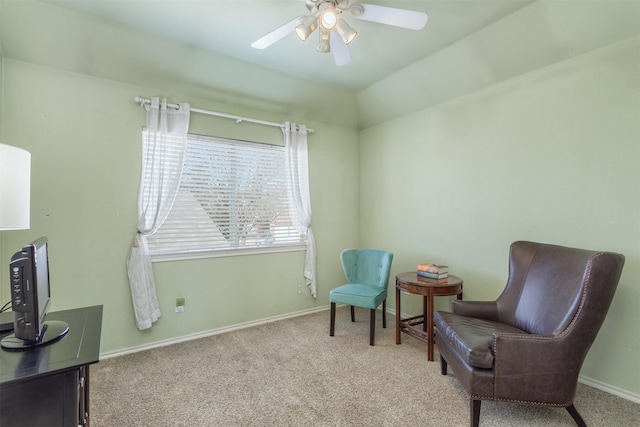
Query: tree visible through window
{"points": [[233, 196]]}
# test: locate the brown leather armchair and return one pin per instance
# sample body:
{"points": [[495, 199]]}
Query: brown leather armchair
{"points": [[528, 346]]}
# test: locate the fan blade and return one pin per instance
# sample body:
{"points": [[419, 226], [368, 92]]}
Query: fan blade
{"points": [[277, 34], [389, 15], [339, 50]]}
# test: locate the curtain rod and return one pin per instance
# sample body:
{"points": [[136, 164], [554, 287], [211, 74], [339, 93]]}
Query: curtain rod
{"points": [[238, 119]]}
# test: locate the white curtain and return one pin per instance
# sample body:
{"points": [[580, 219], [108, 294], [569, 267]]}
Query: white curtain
{"points": [[163, 147], [295, 140]]}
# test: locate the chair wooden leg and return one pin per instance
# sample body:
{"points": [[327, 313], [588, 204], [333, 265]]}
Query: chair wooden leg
{"points": [[372, 328], [353, 314], [475, 412], [332, 328], [384, 313], [443, 366], [576, 416]]}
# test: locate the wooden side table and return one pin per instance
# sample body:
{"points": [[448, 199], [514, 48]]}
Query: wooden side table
{"points": [[412, 283]]}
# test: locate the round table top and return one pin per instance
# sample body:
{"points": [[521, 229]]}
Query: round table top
{"points": [[412, 278]]}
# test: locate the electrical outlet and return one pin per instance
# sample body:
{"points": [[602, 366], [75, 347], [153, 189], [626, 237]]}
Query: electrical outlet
{"points": [[179, 305]]}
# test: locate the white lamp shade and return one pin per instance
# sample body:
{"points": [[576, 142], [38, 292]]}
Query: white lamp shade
{"points": [[346, 32], [15, 188], [306, 27]]}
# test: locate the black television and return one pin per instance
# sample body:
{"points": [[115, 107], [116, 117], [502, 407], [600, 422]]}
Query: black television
{"points": [[30, 299]]}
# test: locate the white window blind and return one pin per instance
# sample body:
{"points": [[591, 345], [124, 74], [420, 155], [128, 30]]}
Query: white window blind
{"points": [[233, 197]]}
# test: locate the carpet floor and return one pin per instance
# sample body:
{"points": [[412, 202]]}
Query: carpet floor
{"points": [[292, 373]]}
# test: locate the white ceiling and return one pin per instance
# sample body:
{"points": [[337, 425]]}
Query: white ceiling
{"points": [[229, 28], [201, 49]]}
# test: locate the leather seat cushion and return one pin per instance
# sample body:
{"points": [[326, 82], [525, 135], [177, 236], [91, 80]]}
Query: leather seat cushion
{"points": [[471, 338]]}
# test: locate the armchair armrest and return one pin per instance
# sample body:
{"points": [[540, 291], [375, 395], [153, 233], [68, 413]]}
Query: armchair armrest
{"points": [[535, 368], [487, 310]]}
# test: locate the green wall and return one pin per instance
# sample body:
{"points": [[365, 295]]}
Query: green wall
{"points": [[550, 156], [84, 136], [2, 263]]}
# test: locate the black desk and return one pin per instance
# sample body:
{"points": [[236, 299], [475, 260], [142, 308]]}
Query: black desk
{"points": [[49, 385]]}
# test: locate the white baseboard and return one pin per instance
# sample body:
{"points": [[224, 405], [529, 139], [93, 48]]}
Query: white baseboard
{"points": [[616, 391], [582, 379], [209, 333]]}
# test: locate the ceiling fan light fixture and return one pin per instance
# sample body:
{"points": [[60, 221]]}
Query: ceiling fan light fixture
{"points": [[345, 30], [324, 45], [328, 16], [306, 27]]}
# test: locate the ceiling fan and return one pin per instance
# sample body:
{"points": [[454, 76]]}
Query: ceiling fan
{"points": [[335, 33]]}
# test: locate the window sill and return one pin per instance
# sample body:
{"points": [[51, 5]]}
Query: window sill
{"points": [[189, 255]]}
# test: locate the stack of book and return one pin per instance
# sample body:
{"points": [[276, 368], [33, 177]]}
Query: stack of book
{"points": [[433, 271]]}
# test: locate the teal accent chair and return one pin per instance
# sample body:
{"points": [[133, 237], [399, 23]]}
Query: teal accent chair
{"points": [[367, 271]]}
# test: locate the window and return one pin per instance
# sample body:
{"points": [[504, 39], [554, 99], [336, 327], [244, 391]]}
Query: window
{"points": [[234, 198]]}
